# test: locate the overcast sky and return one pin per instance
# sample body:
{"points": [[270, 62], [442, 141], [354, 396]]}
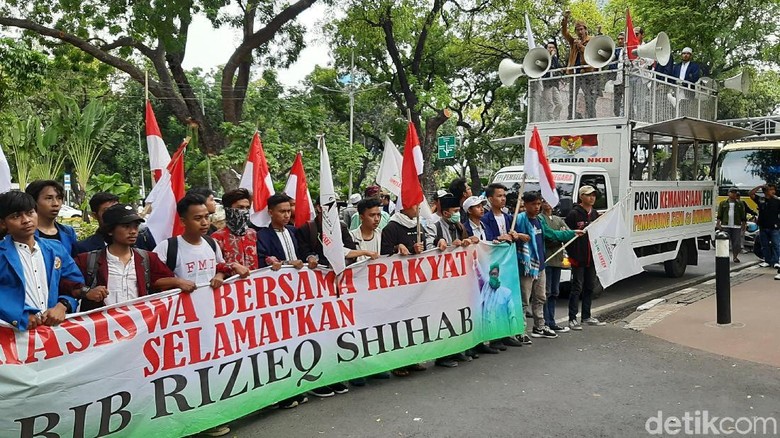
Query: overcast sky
{"points": [[208, 47]]}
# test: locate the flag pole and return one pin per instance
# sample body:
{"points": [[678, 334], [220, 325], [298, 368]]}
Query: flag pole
{"points": [[519, 199], [575, 237]]}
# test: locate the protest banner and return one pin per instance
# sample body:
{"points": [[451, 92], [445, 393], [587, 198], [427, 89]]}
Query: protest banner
{"points": [[173, 364]]}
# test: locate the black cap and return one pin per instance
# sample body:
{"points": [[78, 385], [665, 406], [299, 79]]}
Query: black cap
{"points": [[733, 189], [449, 201], [120, 214]]}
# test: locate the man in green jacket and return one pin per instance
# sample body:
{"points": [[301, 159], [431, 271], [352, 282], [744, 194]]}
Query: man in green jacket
{"points": [[732, 218]]}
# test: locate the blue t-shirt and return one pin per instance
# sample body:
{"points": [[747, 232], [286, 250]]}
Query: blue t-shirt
{"points": [[539, 241]]}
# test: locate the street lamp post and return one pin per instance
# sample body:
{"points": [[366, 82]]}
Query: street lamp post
{"points": [[351, 90]]}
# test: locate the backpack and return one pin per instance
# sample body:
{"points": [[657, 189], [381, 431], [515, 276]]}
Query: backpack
{"points": [[92, 260], [173, 250]]}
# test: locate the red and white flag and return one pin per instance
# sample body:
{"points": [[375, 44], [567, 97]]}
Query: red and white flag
{"points": [[536, 166], [163, 222], [158, 153], [411, 169], [298, 188], [257, 179], [632, 41]]}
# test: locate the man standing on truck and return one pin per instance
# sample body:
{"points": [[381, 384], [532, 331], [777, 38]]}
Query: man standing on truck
{"points": [[768, 223], [732, 218], [583, 272], [577, 65]]}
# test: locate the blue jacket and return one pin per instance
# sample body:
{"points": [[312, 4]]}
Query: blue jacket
{"points": [[491, 227], [91, 243], [59, 266], [68, 237], [692, 74], [269, 245]]}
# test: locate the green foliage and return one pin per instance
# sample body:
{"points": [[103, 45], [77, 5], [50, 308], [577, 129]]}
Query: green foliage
{"points": [[113, 183], [22, 70], [34, 150]]}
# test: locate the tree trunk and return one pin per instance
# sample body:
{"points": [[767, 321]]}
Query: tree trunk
{"points": [[429, 148], [476, 183]]}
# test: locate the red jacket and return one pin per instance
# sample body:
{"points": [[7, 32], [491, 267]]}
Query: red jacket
{"points": [[157, 270]]}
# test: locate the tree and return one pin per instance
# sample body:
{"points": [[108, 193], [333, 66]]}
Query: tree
{"points": [[155, 34], [88, 132], [34, 149]]}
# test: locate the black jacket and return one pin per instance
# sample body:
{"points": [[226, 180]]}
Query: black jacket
{"points": [[309, 237], [394, 234], [579, 250]]}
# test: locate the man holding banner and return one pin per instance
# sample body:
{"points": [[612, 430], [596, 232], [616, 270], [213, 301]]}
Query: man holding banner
{"points": [[583, 270]]}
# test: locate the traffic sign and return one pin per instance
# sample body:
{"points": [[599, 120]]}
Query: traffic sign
{"points": [[447, 147], [67, 181]]}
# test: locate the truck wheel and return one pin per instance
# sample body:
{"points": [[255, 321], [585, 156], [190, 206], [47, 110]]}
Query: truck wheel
{"points": [[675, 268]]}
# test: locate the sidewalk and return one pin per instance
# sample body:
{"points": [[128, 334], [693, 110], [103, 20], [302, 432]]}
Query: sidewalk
{"points": [[688, 317]]}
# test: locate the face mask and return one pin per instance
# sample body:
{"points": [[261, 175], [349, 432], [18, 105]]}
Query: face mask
{"points": [[455, 218], [237, 220], [495, 283]]}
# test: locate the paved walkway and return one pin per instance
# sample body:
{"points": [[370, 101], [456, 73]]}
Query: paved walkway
{"points": [[688, 317]]}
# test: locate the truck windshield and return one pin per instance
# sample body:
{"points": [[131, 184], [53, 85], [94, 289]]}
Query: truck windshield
{"points": [[565, 189], [747, 168]]}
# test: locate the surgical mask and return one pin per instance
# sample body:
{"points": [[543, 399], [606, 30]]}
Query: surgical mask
{"points": [[455, 218], [237, 220], [495, 283]]}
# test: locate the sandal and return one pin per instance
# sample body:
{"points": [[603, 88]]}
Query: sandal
{"points": [[401, 372], [417, 367]]}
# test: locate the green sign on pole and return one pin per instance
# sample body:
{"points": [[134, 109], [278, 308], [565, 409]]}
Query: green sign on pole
{"points": [[447, 147]]}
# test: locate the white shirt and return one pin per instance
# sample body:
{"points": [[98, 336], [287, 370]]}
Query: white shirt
{"points": [[122, 280], [501, 222], [373, 244], [478, 230], [287, 244], [684, 69], [731, 223], [36, 285], [196, 263]]}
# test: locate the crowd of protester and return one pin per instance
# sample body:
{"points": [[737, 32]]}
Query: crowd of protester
{"points": [[46, 273]]}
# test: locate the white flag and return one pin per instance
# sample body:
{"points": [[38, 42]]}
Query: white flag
{"points": [[332, 245], [5, 173], [613, 255], [389, 176], [528, 34]]}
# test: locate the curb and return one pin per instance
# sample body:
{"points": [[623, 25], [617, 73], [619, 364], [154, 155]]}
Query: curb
{"points": [[660, 293]]}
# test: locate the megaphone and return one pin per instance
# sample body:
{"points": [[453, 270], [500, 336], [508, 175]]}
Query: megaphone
{"points": [[509, 71], [599, 51], [659, 49], [740, 82], [704, 87], [537, 62]]}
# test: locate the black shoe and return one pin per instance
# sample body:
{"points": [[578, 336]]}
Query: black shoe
{"points": [[472, 353], [524, 339], [486, 349], [322, 392], [288, 403], [446, 362], [461, 357], [543, 332], [498, 345], [382, 375], [339, 388], [511, 342]]}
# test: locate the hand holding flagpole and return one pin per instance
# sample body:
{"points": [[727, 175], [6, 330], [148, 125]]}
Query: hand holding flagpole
{"points": [[411, 169]]}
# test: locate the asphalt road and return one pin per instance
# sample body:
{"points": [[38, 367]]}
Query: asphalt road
{"points": [[605, 381]]}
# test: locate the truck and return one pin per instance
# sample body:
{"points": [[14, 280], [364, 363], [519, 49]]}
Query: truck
{"points": [[633, 150]]}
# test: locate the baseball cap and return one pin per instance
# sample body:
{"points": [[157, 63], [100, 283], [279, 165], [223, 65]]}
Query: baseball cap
{"points": [[471, 201], [355, 198], [687, 50], [120, 214], [587, 190], [439, 193]]}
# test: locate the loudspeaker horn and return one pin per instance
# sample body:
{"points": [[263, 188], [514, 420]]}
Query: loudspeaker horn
{"points": [[740, 82], [536, 62], [659, 49], [599, 51], [509, 71]]}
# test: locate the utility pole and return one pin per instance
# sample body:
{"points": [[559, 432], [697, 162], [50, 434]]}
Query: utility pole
{"points": [[351, 113]]}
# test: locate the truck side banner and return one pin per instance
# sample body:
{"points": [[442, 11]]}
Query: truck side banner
{"points": [[174, 364]]}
